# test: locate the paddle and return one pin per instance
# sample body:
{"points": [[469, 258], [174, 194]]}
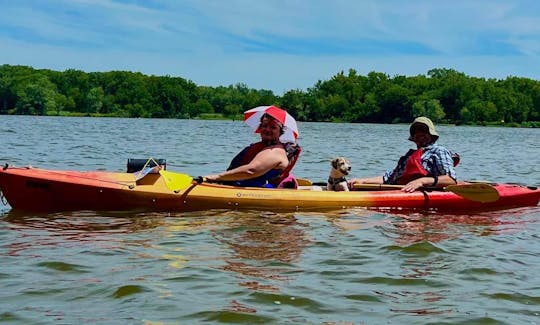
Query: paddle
{"points": [[306, 182], [176, 181], [479, 192]]}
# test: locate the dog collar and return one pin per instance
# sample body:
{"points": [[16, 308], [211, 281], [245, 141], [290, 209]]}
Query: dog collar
{"points": [[335, 181]]}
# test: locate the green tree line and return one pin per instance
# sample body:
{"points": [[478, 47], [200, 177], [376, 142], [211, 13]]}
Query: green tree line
{"points": [[445, 95]]}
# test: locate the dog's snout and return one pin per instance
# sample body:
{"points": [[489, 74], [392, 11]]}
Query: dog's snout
{"points": [[349, 169]]}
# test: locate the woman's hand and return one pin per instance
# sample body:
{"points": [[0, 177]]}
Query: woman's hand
{"points": [[412, 185], [428, 181], [210, 178], [353, 181]]}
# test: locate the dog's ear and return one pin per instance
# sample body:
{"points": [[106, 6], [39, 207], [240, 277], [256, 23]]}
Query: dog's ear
{"points": [[334, 163]]}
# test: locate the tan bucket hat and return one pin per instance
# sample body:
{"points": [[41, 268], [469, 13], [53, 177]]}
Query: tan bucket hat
{"points": [[427, 122]]}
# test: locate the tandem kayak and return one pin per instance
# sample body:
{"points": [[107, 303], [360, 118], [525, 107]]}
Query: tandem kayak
{"points": [[41, 190]]}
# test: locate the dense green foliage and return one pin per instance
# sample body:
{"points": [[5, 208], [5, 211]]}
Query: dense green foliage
{"points": [[445, 95]]}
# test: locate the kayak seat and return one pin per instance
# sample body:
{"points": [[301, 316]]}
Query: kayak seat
{"points": [[135, 165]]}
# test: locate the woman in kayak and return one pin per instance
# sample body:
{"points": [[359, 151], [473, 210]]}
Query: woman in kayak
{"points": [[427, 165], [263, 164]]}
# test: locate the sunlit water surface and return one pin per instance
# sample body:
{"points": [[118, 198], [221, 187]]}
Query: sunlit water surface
{"points": [[352, 266]]}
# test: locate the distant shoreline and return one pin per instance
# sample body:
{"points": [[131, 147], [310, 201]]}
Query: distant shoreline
{"points": [[220, 117]]}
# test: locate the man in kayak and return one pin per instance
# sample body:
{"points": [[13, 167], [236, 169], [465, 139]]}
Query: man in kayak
{"points": [[428, 165], [263, 164]]}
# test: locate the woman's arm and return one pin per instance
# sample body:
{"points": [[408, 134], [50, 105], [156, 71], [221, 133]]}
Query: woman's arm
{"points": [[428, 181], [272, 158]]}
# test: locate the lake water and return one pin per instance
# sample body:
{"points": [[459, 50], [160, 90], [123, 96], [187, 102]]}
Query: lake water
{"points": [[353, 266]]}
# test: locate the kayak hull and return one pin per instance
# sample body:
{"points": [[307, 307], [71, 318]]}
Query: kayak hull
{"points": [[40, 190]]}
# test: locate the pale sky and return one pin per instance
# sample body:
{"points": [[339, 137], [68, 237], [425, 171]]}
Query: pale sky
{"points": [[273, 44]]}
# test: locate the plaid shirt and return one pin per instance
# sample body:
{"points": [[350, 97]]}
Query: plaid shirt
{"points": [[436, 159]]}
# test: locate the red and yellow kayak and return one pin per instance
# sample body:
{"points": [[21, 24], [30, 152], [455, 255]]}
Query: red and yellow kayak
{"points": [[41, 190]]}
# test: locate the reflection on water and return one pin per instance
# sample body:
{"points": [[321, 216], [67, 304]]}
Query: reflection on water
{"points": [[264, 246], [433, 227], [46, 236]]}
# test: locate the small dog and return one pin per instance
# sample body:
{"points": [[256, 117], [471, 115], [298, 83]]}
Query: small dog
{"points": [[341, 167]]}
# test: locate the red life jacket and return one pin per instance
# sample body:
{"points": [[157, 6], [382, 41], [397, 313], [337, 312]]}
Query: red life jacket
{"points": [[246, 155], [413, 168], [251, 152]]}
